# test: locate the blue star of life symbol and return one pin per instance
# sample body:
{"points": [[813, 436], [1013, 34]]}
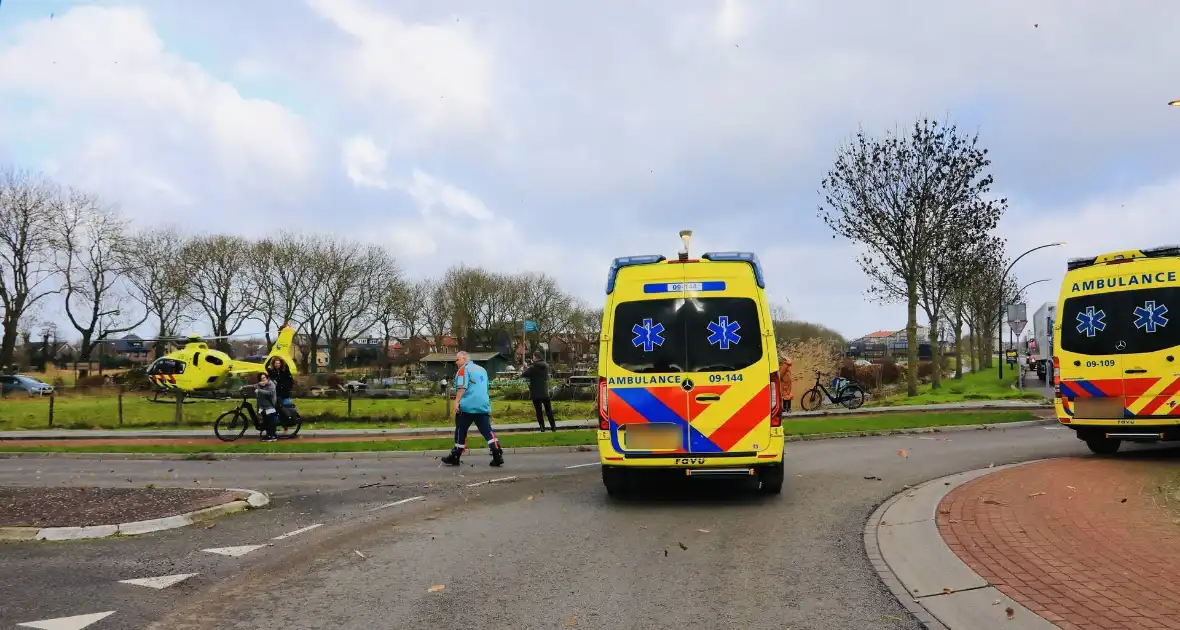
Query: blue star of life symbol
{"points": [[1091, 322], [723, 333], [1150, 317], [648, 335]]}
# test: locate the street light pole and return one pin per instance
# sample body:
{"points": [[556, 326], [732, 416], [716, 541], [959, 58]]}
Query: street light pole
{"points": [[1003, 279]]}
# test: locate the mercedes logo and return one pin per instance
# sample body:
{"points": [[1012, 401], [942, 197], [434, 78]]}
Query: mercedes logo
{"points": [[1122, 345], [687, 385]]}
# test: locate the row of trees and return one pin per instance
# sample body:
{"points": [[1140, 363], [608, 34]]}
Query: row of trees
{"points": [[920, 206], [66, 245]]}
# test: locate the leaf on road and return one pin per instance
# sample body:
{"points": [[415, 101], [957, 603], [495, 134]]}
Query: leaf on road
{"points": [[703, 531], [1123, 501], [437, 588], [953, 520], [991, 465], [993, 502], [531, 497], [360, 554], [1036, 494], [1011, 613], [169, 470], [903, 453], [665, 553], [1071, 487], [996, 603], [571, 622], [947, 591], [682, 546], [874, 478], [944, 511], [211, 526]]}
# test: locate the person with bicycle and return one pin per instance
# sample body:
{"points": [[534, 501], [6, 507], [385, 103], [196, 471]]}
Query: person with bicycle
{"points": [[264, 393], [786, 382], [279, 373]]}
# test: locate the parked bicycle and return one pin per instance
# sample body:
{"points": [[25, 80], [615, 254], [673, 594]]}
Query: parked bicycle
{"points": [[232, 424], [849, 393]]}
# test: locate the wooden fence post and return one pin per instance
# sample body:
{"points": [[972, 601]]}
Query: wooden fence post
{"points": [[120, 405], [350, 402], [52, 397], [180, 408]]}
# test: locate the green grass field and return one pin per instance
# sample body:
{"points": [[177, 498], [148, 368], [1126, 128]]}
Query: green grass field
{"points": [[561, 438], [102, 412], [982, 385]]}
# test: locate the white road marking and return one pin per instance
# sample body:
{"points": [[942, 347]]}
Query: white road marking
{"points": [[161, 582], [235, 552], [76, 622], [382, 507], [481, 483], [1052, 428], [584, 465], [297, 532]]}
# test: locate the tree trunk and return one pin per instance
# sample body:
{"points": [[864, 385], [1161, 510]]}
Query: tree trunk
{"points": [[8, 344], [959, 343], [911, 333], [935, 355]]}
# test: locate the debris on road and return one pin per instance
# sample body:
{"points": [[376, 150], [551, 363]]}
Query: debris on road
{"points": [[1011, 613], [1036, 494], [363, 557], [83, 506], [682, 546], [437, 588]]}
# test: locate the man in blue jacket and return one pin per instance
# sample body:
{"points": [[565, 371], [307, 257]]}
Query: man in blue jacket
{"points": [[473, 404]]}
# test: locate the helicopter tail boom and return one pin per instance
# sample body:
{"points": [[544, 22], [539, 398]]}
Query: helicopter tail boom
{"points": [[282, 348]]}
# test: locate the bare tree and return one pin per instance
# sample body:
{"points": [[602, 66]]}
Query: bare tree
{"points": [[348, 291], [94, 261], [542, 301], [160, 280], [439, 312], [27, 225], [467, 294], [279, 279], [890, 195], [501, 312], [987, 294], [218, 273]]}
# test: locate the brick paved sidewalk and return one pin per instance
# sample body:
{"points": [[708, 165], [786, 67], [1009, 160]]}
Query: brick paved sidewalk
{"points": [[1085, 543]]}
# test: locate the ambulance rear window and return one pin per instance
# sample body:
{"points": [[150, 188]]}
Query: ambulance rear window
{"points": [[1125, 322], [716, 334]]}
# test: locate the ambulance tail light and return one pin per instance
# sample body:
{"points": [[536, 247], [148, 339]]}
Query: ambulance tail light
{"points": [[603, 418], [1056, 377], [776, 402]]}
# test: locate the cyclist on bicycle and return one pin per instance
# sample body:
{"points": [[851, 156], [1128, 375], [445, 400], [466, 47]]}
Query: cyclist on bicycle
{"points": [[786, 382], [279, 373], [264, 392]]}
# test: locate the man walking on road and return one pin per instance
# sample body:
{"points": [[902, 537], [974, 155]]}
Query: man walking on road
{"points": [[472, 405], [538, 374]]}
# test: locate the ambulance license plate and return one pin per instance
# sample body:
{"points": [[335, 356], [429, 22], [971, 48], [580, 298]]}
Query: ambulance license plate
{"points": [[653, 436], [1099, 408]]}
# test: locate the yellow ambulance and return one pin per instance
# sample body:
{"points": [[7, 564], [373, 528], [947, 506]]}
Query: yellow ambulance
{"points": [[1116, 342], [688, 371]]}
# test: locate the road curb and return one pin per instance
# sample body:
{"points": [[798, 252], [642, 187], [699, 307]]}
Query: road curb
{"points": [[946, 607], [523, 450], [254, 499]]}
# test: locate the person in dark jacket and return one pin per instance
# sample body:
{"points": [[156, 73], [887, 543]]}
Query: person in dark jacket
{"points": [[538, 374], [280, 374]]}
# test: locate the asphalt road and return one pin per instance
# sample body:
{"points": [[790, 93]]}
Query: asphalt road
{"points": [[545, 550]]}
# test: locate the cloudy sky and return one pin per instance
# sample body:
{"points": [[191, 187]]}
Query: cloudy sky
{"points": [[519, 134]]}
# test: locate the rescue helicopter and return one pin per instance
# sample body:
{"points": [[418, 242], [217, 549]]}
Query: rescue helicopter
{"points": [[198, 369]]}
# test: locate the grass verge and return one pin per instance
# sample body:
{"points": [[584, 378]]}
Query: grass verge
{"points": [[561, 438], [974, 386]]}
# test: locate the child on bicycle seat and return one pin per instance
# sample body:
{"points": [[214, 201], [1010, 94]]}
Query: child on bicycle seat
{"points": [[264, 392]]}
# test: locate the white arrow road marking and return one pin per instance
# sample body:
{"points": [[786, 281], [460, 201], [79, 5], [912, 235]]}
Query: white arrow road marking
{"points": [[297, 532], [480, 483], [161, 582], [76, 622], [382, 507], [235, 552], [584, 465]]}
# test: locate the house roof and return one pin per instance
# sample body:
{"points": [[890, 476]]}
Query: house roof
{"points": [[879, 334], [449, 357], [130, 343]]}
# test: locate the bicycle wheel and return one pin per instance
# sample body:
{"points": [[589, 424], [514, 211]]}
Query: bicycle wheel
{"points": [[291, 430], [852, 397], [812, 400], [231, 425]]}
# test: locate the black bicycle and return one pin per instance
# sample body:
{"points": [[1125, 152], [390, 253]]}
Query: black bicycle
{"points": [[848, 393], [232, 424]]}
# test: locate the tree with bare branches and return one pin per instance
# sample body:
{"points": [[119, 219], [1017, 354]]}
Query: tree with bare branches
{"points": [[439, 312], [27, 224], [218, 271], [160, 280], [94, 262], [279, 279], [899, 197]]}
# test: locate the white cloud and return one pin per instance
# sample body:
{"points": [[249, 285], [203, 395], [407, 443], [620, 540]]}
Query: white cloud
{"points": [[731, 21], [113, 97], [365, 162], [439, 75]]}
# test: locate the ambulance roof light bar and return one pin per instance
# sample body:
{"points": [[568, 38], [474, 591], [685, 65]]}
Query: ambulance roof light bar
{"points": [[747, 257], [629, 261], [1166, 251]]}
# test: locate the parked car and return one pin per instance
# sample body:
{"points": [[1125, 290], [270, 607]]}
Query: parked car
{"points": [[355, 386], [20, 384]]}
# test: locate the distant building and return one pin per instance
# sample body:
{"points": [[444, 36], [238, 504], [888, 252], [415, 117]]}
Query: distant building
{"points": [[133, 348], [442, 365]]}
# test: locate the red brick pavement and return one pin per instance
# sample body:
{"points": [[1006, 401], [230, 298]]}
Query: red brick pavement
{"points": [[1085, 543]]}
